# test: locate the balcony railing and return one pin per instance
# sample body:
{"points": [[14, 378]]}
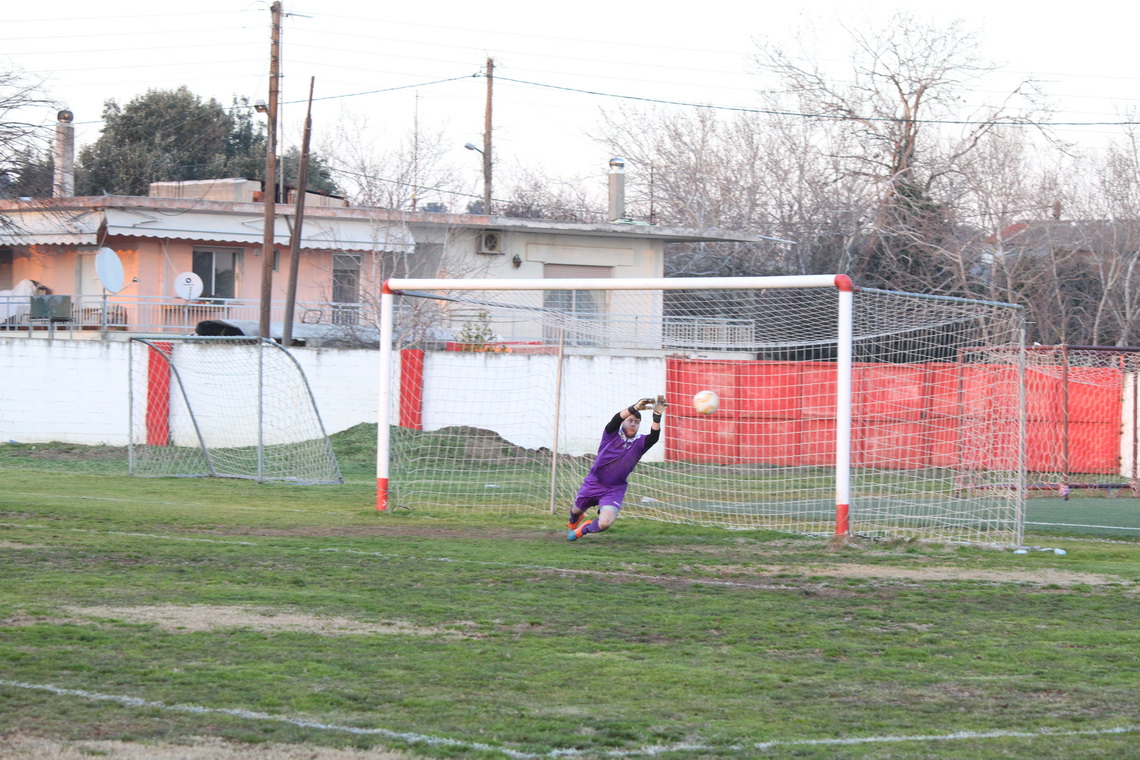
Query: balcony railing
{"points": [[162, 315], [37, 315]]}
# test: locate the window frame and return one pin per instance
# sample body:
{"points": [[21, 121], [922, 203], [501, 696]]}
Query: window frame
{"points": [[210, 279]]}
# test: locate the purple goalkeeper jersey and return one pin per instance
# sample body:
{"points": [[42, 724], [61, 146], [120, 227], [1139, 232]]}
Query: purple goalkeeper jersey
{"points": [[617, 456]]}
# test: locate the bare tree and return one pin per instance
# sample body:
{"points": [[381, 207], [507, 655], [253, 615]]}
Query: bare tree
{"points": [[851, 166], [904, 78], [411, 177], [23, 144], [1119, 182], [534, 195], [1066, 240], [1109, 245], [764, 171]]}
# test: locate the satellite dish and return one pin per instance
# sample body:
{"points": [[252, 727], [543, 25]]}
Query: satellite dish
{"points": [[188, 285], [110, 270]]}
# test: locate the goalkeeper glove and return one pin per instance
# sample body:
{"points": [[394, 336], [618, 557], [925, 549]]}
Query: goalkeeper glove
{"points": [[642, 404], [659, 405]]}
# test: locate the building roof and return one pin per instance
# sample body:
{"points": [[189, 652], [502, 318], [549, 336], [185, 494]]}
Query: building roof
{"points": [[88, 220], [1089, 236]]}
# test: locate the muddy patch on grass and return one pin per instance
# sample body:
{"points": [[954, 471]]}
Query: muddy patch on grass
{"points": [[202, 617], [14, 545], [25, 747]]}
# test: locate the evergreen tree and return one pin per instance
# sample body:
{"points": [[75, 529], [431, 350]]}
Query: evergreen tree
{"points": [[32, 175], [164, 135], [173, 135]]}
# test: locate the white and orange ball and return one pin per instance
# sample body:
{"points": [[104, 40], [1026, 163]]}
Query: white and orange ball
{"points": [[706, 402]]}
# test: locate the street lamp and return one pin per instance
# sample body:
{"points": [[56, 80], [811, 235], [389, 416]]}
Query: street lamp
{"points": [[486, 175]]}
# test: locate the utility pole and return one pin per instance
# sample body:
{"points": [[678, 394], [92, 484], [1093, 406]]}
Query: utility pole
{"points": [[270, 185], [487, 138], [416, 152], [298, 222]]}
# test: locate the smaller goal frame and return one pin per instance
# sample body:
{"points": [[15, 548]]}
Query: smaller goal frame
{"points": [[180, 424], [1069, 367], [838, 282]]}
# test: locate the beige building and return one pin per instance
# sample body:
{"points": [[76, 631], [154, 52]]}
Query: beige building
{"points": [[215, 229]]}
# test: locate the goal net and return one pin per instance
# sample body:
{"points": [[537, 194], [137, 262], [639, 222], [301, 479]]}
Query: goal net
{"points": [[843, 410], [224, 407], [1082, 421]]}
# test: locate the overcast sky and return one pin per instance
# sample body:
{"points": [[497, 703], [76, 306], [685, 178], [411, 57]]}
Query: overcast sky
{"points": [[387, 65]]}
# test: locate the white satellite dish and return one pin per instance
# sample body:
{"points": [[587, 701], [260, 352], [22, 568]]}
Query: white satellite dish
{"points": [[188, 285], [110, 270]]}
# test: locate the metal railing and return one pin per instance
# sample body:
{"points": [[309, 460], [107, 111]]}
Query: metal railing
{"points": [[154, 315], [150, 314]]}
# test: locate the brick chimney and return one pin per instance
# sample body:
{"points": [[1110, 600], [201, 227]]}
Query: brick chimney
{"points": [[63, 184], [617, 189]]}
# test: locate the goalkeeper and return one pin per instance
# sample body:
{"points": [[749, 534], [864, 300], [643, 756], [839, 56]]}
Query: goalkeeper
{"points": [[618, 453]]}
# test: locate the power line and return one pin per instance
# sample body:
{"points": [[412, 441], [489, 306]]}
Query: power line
{"points": [[726, 108], [104, 35], [747, 109], [771, 112], [386, 89]]}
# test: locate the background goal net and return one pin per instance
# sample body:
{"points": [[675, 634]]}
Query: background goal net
{"points": [[224, 407], [842, 410], [1082, 421]]}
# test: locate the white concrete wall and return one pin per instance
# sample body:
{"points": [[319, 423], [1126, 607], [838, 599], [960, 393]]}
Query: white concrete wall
{"points": [[489, 391], [76, 391], [63, 390], [344, 383]]}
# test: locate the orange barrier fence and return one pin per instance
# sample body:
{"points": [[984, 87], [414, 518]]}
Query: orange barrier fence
{"points": [[904, 416]]}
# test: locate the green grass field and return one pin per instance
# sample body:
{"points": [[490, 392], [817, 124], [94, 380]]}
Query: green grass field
{"points": [[168, 617]]}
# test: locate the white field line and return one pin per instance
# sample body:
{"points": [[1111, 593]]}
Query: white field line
{"points": [[1079, 525], [250, 715], [1088, 540], [414, 738]]}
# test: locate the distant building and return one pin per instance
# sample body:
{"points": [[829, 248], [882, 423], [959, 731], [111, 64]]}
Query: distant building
{"points": [[215, 230]]}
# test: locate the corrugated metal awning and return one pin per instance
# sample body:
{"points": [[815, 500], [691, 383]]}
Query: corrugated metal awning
{"points": [[51, 227], [319, 233]]}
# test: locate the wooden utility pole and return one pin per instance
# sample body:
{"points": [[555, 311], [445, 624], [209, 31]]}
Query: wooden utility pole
{"points": [[298, 222], [487, 138], [270, 186], [416, 152]]}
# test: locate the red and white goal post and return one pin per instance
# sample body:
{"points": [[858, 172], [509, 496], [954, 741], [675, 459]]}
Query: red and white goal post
{"points": [[844, 411]]}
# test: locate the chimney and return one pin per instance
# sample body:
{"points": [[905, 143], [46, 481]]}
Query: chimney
{"points": [[63, 185], [617, 189]]}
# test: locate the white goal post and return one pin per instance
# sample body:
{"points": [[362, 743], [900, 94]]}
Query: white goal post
{"points": [[844, 410]]}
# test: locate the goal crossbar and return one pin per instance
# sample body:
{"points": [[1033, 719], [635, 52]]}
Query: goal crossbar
{"points": [[839, 282], [845, 410]]}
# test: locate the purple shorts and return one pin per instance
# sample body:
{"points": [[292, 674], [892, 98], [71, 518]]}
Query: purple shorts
{"points": [[599, 496]]}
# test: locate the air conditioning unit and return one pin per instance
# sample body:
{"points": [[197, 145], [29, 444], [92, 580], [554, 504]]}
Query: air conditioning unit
{"points": [[490, 242]]}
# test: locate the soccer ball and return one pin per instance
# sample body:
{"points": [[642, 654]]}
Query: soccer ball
{"points": [[706, 402]]}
